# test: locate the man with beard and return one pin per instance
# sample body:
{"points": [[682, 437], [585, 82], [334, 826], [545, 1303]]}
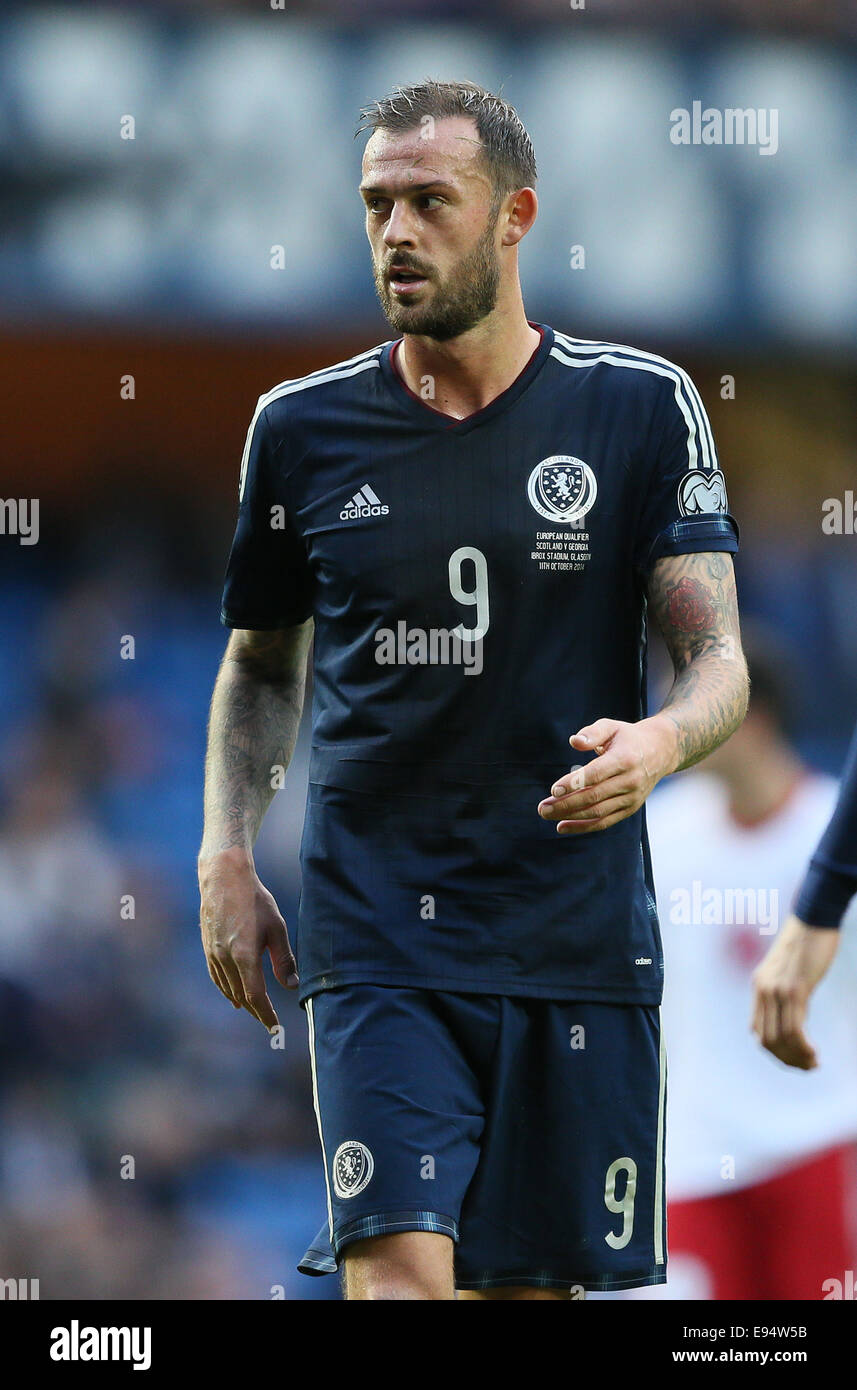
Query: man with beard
{"points": [[478, 941]]}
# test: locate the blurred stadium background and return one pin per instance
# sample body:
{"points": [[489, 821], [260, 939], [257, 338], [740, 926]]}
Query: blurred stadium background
{"points": [[151, 257]]}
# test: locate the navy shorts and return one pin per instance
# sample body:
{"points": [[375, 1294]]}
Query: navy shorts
{"points": [[530, 1131]]}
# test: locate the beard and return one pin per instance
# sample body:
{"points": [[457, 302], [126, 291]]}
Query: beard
{"points": [[458, 303]]}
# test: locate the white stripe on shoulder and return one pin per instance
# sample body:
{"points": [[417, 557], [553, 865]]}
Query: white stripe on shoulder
{"points": [[585, 344], [576, 352], [595, 345], [297, 383], [364, 361]]}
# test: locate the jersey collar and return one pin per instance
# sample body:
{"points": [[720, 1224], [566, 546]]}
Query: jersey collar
{"points": [[429, 418]]}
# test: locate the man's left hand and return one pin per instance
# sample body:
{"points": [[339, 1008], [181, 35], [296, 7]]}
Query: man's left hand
{"points": [[631, 759]]}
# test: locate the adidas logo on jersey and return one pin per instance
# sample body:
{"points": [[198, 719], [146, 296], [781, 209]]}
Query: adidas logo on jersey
{"points": [[363, 503]]}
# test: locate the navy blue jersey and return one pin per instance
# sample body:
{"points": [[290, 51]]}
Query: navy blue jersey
{"points": [[831, 879], [478, 593]]}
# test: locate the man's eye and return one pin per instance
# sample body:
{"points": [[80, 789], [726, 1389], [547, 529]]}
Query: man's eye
{"points": [[428, 201]]}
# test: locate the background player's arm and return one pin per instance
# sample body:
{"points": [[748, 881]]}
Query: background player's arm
{"points": [[253, 725], [694, 603], [797, 961], [803, 952]]}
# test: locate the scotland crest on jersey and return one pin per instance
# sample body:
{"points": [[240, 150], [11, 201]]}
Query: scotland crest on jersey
{"points": [[562, 488], [353, 1166]]}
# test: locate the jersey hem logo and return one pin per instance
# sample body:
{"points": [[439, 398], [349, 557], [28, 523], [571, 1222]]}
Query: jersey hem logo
{"points": [[353, 1166], [702, 490], [562, 488], [365, 502]]}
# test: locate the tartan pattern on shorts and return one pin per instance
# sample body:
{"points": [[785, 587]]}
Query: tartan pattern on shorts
{"points": [[380, 1224]]}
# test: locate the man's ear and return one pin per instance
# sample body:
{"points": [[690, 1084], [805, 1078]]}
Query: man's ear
{"points": [[521, 214]]}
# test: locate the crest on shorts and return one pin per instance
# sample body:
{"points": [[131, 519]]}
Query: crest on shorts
{"points": [[702, 490], [562, 488], [353, 1166]]}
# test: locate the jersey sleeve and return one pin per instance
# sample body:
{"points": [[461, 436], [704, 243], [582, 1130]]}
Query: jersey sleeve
{"points": [[685, 507], [831, 879], [268, 580]]}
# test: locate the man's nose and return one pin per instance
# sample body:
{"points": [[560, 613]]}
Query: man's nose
{"points": [[399, 229]]}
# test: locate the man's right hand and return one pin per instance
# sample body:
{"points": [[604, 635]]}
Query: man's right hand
{"points": [[239, 921]]}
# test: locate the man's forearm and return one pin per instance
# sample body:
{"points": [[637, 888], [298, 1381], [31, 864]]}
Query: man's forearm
{"points": [[253, 726], [706, 703], [694, 603]]}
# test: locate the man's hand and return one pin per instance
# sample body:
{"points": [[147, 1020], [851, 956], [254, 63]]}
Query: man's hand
{"points": [[782, 983], [239, 921], [632, 758]]}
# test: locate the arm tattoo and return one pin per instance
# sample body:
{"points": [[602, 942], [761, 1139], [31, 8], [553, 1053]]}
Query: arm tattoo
{"points": [[696, 609], [253, 726]]}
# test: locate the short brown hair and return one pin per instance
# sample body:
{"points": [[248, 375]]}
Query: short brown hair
{"points": [[508, 149]]}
